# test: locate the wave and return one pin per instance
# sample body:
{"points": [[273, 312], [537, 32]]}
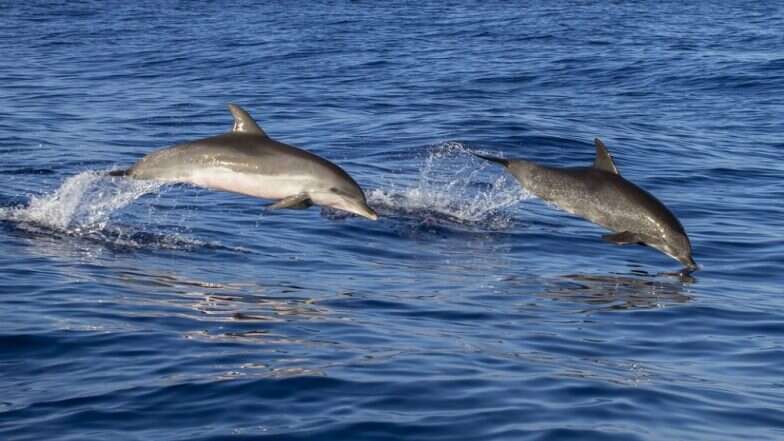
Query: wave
{"points": [[452, 189], [83, 204], [83, 207]]}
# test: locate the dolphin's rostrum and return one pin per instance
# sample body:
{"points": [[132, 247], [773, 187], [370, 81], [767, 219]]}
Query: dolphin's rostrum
{"points": [[247, 161], [600, 195]]}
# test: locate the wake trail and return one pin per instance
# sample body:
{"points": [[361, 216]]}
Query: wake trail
{"points": [[453, 188], [84, 203], [84, 207]]}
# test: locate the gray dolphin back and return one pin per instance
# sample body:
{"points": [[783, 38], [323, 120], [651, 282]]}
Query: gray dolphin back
{"points": [[239, 152]]}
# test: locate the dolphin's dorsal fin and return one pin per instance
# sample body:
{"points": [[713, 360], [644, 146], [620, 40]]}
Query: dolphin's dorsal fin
{"points": [[603, 159], [243, 122]]}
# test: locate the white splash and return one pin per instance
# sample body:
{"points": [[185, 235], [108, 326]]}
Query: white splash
{"points": [[84, 203], [453, 187]]}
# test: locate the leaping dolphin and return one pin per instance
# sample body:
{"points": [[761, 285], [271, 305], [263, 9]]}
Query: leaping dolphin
{"points": [[247, 161], [600, 195]]}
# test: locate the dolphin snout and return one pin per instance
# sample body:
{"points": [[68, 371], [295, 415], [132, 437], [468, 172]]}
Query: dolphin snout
{"points": [[358, 207], [689, 263], [368, 213]]}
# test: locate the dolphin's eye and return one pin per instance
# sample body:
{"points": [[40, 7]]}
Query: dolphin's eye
{"points": [[333, 190]]}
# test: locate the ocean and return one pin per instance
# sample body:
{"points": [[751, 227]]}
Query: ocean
{"points": [[471, 310]]}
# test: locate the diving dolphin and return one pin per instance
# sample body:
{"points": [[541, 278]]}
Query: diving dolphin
{"points": [[600, 195], [247, 161]]}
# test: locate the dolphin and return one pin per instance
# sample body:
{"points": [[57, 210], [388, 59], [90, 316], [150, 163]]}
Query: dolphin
{"points": [[601, 195], [247, 161]]}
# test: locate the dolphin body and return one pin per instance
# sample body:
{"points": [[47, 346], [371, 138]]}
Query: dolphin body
{"points": [[600, 195], [249, 162]]}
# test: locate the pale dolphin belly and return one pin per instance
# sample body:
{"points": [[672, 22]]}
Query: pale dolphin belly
{"points": [[260, 186]]}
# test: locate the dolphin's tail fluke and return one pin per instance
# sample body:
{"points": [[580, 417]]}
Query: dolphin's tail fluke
{"points": [[122, 172], [502, 161]]}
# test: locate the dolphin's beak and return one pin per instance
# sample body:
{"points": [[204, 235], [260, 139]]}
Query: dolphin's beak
{"points": [[350, 203], [368, 213], [690, 264], [358, 207]]}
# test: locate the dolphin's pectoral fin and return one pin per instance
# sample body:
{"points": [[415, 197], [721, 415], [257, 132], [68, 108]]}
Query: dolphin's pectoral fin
{"points": [[623, 238], [298, 201]]}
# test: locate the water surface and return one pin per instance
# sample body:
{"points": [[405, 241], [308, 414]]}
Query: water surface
{"points": [[134, 310]]}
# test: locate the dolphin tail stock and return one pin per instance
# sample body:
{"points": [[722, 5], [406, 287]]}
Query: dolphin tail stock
{"points": [[502, 161], [121, 172]]}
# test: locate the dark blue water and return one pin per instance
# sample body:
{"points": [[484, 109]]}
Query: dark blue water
{"points": [[470, 310]]}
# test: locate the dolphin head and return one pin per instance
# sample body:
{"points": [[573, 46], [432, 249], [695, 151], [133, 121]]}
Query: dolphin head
{"points": [[346, 196], [677, 246]]}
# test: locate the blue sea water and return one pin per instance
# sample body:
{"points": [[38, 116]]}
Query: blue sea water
{"points": [[470, 310]]}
